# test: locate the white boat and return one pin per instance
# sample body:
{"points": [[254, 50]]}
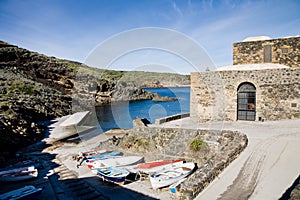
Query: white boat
{"points": [[91, 159], [118, 161], [14, 170], [27, 192], [154, 166], [18, 174], [172, 175]]}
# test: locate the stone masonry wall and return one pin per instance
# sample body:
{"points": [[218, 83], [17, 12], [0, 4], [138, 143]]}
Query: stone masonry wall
{"points": [[173, 143], [214, 94], [285, 51]]}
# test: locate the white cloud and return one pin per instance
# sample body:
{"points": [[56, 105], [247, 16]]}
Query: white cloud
{"points": [[177, 10]]}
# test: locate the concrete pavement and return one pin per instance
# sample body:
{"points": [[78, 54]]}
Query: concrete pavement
{"points": [[265, 169]]}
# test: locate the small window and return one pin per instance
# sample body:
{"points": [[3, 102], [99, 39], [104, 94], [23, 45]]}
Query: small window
{"points": [[268, 53], [284, 50], [294, 105]]}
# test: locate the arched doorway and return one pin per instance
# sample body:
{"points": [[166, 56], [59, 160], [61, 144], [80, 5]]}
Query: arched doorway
{"points": [[246, 102]]}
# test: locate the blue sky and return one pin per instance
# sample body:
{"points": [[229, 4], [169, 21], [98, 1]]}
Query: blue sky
{"points": [[71, 29]]}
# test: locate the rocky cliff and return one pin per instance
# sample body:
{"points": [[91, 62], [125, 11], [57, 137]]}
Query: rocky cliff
{"points": [[36, 87], [33, 88]]}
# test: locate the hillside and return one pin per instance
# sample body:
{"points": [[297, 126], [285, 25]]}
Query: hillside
{"points": [[35, 87]]}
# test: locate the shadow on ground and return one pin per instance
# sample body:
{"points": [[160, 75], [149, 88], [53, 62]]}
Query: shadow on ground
{"points": [[58, 182]]}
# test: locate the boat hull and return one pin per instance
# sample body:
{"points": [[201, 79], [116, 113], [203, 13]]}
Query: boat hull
{"points": [[117, 162], [113, 174], [156, 164], [18, 175], [153, 168], [171, 175]]}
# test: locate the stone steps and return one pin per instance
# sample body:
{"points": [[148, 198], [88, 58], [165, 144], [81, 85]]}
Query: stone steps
{"points": [[66, 185]]}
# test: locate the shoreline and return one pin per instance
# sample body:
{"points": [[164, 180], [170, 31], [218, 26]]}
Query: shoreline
{"points": [[137, 189], [66, 151]]}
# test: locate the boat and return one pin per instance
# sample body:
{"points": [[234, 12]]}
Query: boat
{"points": [[21, 164], [154, 166], [172, 175], [113, 174], [90, 159], [117, 162], [27, 192], [103, 155], [18, 174], [93, 153]]}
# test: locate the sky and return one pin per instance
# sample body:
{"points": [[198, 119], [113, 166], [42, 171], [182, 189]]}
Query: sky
{"points": [[74, 29]]}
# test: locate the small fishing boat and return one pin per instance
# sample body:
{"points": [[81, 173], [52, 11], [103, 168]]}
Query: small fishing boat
{"points": [[154, 166], [113, 174], [22, 164], [117, 162], [27, 192], [94, 153], [18, 174], [172, 175], [90, 160], [104, 155]]}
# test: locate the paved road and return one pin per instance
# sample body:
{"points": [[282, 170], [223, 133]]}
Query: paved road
{"points": [[265, 169]]}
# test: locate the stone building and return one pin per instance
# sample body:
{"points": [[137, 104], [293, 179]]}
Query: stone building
{"points": [[263, 83], [263, 49]]}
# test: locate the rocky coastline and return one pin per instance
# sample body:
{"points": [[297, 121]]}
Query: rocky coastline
{"points": [[37, 88]]}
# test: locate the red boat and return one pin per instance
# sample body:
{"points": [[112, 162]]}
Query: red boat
{"points": [[154, 166], [156, 163]]}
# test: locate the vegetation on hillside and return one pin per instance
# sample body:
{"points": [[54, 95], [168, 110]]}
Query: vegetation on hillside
{"points": [[35, 87]]}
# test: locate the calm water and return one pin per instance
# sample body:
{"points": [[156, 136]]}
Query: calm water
{"points": [[121, 115]]}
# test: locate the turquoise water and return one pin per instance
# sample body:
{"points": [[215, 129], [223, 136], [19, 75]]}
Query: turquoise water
{"points": [[121, 114]]}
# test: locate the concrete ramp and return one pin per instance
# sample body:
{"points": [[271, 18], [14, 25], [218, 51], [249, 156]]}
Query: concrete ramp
{"points": [[75, 119], [68, 126]]}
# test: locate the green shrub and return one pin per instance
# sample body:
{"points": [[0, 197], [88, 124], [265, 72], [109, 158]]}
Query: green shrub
{"points": [[198, 144], [23, 88]]}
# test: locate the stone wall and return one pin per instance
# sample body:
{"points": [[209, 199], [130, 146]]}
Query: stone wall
{"points": [[171, 118], [214, 94], [173, 143], [283, 51]]}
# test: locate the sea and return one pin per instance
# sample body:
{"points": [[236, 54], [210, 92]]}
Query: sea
{"points": [[121, 114]]}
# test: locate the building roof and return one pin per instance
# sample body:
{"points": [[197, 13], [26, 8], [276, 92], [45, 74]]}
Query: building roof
{"points": [[256, 38], [245, 67]]}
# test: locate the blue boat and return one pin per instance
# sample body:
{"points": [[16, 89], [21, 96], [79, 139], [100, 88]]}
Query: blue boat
{"points": [[113, 174], [104, 155]]}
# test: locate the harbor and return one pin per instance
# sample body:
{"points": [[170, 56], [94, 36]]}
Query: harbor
{"points": [[61, 178]]}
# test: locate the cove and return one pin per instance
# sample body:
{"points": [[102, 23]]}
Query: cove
{"points": [[121, 114]]}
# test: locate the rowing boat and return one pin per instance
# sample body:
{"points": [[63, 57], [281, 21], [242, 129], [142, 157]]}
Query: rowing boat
{"points": [[117, 162], [113, 174], [172, 175], [18, 174], [154, 166]]}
